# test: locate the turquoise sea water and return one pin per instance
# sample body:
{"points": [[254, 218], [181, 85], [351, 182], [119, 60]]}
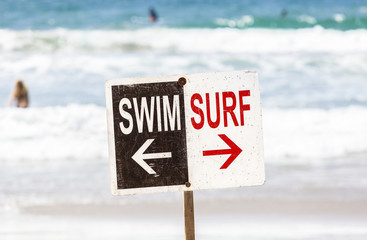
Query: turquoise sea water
{"points": [[51, 43], [130, 14]]}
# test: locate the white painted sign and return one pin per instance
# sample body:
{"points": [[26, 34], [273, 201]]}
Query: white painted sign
{"points": [[185, 132]]}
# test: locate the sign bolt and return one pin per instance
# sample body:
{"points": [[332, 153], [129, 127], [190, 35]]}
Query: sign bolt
{"points": [[181, 81], [188, 184]]}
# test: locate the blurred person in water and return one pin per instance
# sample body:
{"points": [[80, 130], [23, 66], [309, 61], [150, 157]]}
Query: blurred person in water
{"points": [[153, 16], [20, 95]]}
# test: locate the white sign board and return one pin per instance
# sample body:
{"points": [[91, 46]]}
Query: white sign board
{"points": [[185, 132]]}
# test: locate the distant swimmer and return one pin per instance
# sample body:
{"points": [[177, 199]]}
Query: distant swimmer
{"points": [[283, 13], [20, 95], [153, 16]]}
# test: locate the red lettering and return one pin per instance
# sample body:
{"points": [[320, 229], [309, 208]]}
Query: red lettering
{"points": [[198, 111], [217, 106], [223, 108], [243, 107], [229, 109]]}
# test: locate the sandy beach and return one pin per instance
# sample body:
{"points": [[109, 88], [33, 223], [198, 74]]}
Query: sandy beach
{"points": [[349, 209], [215, 219]]}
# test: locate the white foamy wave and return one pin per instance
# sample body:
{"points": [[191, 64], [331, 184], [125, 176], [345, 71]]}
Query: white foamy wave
{"points": [[339, 17], [307, 19], [74, 132], [244, 21], [78, 133], [314, 39], [313, 136]]}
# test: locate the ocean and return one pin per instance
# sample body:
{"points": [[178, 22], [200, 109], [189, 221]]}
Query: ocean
{"points": [[311, 58]]}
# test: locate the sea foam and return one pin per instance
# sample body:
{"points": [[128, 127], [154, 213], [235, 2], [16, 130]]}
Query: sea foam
{"points": [[79, 133], [314, 39], [74, 132]]}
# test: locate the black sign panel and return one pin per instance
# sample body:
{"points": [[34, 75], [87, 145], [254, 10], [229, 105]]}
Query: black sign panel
{"points": [[150, 136]]}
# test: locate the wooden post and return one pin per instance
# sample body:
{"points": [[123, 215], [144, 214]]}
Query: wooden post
{"points": [[189, 215]]}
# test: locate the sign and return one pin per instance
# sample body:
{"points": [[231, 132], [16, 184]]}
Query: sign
{"points": [[185, 132]]}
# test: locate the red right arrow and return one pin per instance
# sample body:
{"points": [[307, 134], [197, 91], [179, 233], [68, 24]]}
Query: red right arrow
{"points": [[234, 150]]}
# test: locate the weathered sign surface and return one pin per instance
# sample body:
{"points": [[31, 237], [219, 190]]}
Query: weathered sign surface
{"points": [[185, 132]]}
